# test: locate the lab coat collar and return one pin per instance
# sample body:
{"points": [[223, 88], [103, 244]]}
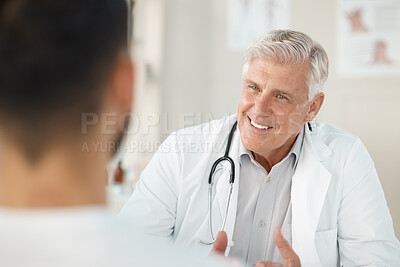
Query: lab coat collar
{"points": [[319, 148]]}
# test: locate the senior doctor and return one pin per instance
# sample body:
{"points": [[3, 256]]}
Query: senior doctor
{"points": [[317, 183]]}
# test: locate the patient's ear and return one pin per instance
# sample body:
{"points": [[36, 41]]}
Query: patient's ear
{"points": [[122, 83], [315, 106]]}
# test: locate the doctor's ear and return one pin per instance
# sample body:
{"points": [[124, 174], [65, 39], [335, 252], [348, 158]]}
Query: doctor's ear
{"points": [[315, 106], [122, 81]]}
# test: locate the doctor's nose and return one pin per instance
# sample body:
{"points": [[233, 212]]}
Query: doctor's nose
{"points": [[263, 105]]}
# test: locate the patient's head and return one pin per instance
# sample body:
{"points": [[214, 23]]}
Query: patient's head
{"points": [[60, 59]]}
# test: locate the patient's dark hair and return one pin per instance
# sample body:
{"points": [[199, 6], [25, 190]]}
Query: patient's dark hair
{"points": [[55, 59]]}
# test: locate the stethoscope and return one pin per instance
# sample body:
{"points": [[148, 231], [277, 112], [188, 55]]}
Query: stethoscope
{"points": [[214, 169]]}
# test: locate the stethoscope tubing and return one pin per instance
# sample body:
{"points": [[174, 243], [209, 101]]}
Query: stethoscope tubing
{"points": [[225, 157]]}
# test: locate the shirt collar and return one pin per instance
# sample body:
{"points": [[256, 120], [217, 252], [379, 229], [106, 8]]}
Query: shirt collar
{"points": [[295, 150]]}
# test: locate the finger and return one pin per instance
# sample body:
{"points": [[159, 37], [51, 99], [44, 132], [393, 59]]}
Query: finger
{"points": [[290, 258], [283, 246], [220, 244]]}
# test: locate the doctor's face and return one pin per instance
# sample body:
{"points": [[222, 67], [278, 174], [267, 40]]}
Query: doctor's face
{"points": [[273, 106]]}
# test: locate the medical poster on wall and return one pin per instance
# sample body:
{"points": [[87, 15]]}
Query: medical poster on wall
{"points": [[249, 20], [369, 37]]}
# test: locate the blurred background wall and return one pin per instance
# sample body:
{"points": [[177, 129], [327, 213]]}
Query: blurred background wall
{"points": [[186, 74]]}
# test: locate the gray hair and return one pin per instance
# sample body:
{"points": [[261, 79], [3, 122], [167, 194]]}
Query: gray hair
{"points": [[292, 47]]}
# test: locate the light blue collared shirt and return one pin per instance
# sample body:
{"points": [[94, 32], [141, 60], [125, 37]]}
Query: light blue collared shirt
{"points": [[263, 205]]}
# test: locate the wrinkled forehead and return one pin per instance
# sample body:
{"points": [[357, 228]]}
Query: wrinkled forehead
{"points": [[263, 66], [291, 77]]}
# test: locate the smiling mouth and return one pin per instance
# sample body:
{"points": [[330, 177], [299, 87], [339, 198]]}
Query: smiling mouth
{"points": [[259, 126]]}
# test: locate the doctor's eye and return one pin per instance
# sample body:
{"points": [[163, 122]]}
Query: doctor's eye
{"points": [[254, 88], [281, 96]]}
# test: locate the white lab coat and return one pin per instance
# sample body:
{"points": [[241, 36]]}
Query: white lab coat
{"points": [[339, 212]]}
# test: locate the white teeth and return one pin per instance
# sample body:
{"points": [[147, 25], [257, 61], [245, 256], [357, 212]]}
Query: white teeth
{"points": [[258, 126]]}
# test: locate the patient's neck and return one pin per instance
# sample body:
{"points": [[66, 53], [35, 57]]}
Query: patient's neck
{"points": [[62, 177]]}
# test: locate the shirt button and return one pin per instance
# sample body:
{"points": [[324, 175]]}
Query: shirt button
{"points": [[261, 224], [268, 180]]}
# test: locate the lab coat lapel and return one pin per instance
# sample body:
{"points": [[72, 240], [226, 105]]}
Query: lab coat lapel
{"points": [[222, 190], [309, 187]]}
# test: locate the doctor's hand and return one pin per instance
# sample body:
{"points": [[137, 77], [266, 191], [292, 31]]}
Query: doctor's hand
{"points": [[290, 258], [220, 244], [219, 248]]}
